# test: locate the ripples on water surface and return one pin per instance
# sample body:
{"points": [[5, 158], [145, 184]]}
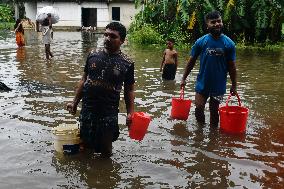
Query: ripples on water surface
{"points": [[173, 154]]}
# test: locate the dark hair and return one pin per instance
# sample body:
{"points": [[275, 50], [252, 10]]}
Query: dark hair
{"points": [[171, 40], [118, 27], [212, 15], [20, 28], [17, 22], [45, 22]]}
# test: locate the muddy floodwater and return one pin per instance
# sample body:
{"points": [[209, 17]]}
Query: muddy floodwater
{"points": [[173, 154]]}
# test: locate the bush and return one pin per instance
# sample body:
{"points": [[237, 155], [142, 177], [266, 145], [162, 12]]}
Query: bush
{"points": [[145, 35], [6, 13], [7, 25]]}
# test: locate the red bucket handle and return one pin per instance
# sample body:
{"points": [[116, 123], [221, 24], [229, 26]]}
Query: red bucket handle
{"points": [[181, 93], [239, 100], [140, 114]]}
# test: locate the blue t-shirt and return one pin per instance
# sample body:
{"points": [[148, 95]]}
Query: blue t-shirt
{"points": [[214, 58]]}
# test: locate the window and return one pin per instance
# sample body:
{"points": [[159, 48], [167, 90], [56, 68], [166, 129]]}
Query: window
{"points": [[116, 13]]}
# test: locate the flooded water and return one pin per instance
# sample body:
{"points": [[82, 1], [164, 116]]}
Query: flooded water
{"points": [[173, 154]]}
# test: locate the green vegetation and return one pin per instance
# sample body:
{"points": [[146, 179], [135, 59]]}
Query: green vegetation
{"points": [[6, 13], [147, 35], [6, 16], [246, 21], [262, 46], [7, 25]]}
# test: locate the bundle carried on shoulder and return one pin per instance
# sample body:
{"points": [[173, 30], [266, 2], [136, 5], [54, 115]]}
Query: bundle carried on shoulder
{"points": [[42, 14]]}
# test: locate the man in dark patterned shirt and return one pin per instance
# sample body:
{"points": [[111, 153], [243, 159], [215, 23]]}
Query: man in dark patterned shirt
{"points": [[106, 72]]}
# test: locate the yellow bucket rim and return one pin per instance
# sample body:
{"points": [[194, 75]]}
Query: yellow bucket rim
{"points": [[64, 129]]}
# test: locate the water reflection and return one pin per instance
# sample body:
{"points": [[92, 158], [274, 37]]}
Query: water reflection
{"points": [[91, 171], [21, 54], [169, 86], [180, 129], [173, 154]]}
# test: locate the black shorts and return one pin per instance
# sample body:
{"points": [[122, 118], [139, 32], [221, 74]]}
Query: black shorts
{"points": [[98, 133], [169, 71]]}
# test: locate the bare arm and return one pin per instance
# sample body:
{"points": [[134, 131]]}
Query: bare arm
{"points": [[50, 26], [233, 76], [129, 101], [49, 20], [176, 58], [18, 26], [163, 60], [72, 107], [129, 98], [189, 66], [37, 26]]}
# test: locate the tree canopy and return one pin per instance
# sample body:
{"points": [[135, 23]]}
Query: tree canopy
{"points": [[248, 21], [6, 13]]}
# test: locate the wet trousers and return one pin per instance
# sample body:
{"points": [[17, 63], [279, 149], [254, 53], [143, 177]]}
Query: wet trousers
{"points": [[98, 133], [200, 101]]}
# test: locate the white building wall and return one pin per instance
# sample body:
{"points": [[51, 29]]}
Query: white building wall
{"points": [[102, 12], [30, 9], [127, 12], [103, 17], [70, 12], [17, 13]]}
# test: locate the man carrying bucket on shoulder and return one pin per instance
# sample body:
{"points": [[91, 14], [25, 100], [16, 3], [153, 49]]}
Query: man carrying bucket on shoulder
{"points": [[217, 57], [106, 72]]}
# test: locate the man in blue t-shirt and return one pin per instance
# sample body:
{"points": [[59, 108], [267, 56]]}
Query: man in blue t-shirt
{"points": [[106, 72], [217, 57]]}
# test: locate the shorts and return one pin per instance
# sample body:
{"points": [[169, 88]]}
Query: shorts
{"points": [[169, 71], [218, 98], [98, 133]]}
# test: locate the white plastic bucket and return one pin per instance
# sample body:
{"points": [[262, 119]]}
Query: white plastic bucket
{"points": [[67, 138]]}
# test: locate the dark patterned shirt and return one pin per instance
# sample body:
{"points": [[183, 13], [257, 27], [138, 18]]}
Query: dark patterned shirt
{"points": [[106, 74]]}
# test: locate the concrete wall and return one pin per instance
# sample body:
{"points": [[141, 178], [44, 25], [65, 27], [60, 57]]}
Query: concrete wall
{"points": [[102, 12], [127, 12], [17, 11], [70, 12], [30, 9]]}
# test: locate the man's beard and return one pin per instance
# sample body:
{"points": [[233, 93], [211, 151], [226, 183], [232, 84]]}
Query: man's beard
{"points": [[216, 32]]}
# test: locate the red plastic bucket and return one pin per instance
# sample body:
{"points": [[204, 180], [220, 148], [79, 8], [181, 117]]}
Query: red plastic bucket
{"points": [[180, 107], [139, 125], [233, 119]]}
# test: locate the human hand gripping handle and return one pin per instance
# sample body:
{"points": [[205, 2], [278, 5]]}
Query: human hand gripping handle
{"points": [[233, 90], [128, 120], [72, 108], [182, 84]]}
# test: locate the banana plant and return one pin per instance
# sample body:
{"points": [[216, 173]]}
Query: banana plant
{"points": [[244, 20]]}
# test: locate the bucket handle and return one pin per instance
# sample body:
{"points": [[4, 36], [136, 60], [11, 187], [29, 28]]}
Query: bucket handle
{"points": [[239, 100], [181, 93], [140, 114]]}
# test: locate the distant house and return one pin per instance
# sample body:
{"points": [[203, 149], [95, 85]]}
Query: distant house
{"points": [[78, 13]]}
